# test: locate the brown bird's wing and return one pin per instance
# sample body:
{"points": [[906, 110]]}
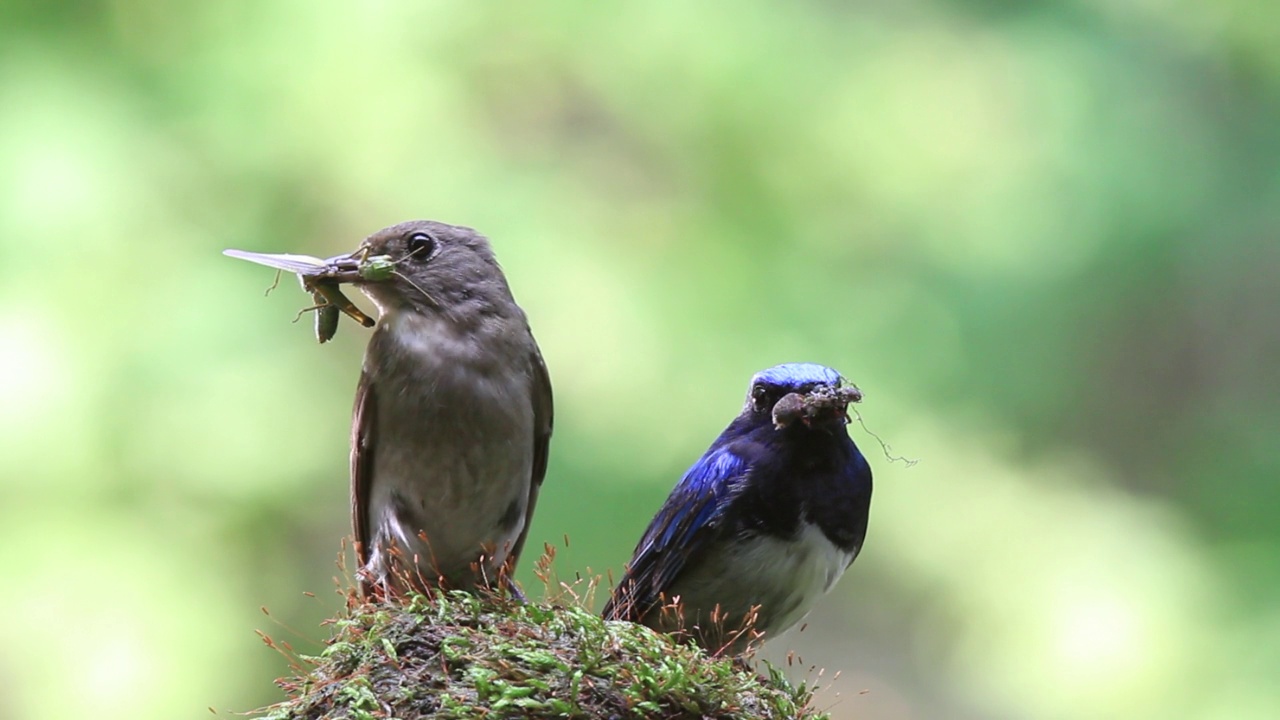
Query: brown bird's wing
{"points": [[543, 416], [363, 435]]}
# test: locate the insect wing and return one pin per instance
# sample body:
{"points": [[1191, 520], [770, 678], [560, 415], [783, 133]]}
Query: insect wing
{"points": [[301, 264]]}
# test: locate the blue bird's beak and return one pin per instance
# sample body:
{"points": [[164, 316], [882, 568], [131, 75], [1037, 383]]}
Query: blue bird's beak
{"points": [[822, 404]]}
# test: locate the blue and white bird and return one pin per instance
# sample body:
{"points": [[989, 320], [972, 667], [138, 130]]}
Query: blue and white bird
{"points": [[762, 525]]}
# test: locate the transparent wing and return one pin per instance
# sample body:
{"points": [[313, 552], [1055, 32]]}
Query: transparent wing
{"points": [[301, 264]]}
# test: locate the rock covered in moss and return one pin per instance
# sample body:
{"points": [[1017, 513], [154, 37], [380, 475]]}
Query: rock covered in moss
{"points": [[459, 656]]}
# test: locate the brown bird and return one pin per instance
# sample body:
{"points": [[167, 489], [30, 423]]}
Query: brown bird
{"points": [[453, 416]]}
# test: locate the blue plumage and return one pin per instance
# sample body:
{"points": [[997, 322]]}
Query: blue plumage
{"points": [[762, 524], [798, 376]]}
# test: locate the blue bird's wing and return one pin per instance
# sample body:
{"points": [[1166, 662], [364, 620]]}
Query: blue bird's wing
{"points": [[679, 531]]}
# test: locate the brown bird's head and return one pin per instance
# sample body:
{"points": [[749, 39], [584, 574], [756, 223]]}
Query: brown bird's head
{"points": [[431, 266]]}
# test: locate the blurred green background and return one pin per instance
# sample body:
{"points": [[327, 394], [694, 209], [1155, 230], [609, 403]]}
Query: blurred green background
{"points": [[1041, 237]]}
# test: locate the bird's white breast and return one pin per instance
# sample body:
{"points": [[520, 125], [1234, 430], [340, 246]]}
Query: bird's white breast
{"points": [[809, 565], [455, 438], [784, 577]]}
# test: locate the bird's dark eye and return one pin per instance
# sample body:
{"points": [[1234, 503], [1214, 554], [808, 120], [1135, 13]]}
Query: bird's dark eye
{"points": [[420, 246], [759, 393]]}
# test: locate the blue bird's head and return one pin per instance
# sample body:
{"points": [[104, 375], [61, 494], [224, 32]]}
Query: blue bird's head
{"points": [[806, 392]]}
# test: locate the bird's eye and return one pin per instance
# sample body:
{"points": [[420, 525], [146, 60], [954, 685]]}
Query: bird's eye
{"points": [[420, 246], [759, 393]]}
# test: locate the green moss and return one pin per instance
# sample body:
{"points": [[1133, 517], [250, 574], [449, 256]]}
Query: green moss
{"points": [[460, 656]]}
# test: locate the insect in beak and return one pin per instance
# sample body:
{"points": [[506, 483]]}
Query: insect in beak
{"points": [[322, 279]]}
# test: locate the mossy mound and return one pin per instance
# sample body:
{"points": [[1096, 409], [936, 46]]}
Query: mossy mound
{"points": [[459, 656]]}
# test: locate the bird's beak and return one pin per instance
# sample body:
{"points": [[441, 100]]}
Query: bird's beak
{"points": [[358, 267], [823, 410], [821, 405], [340, 269]]}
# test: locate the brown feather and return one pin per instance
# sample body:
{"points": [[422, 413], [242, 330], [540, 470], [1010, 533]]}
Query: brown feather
{"points": [[363, 437]]}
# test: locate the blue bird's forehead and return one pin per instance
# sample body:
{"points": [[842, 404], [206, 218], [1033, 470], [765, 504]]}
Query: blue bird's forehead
{"points": [[795, 376]]}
